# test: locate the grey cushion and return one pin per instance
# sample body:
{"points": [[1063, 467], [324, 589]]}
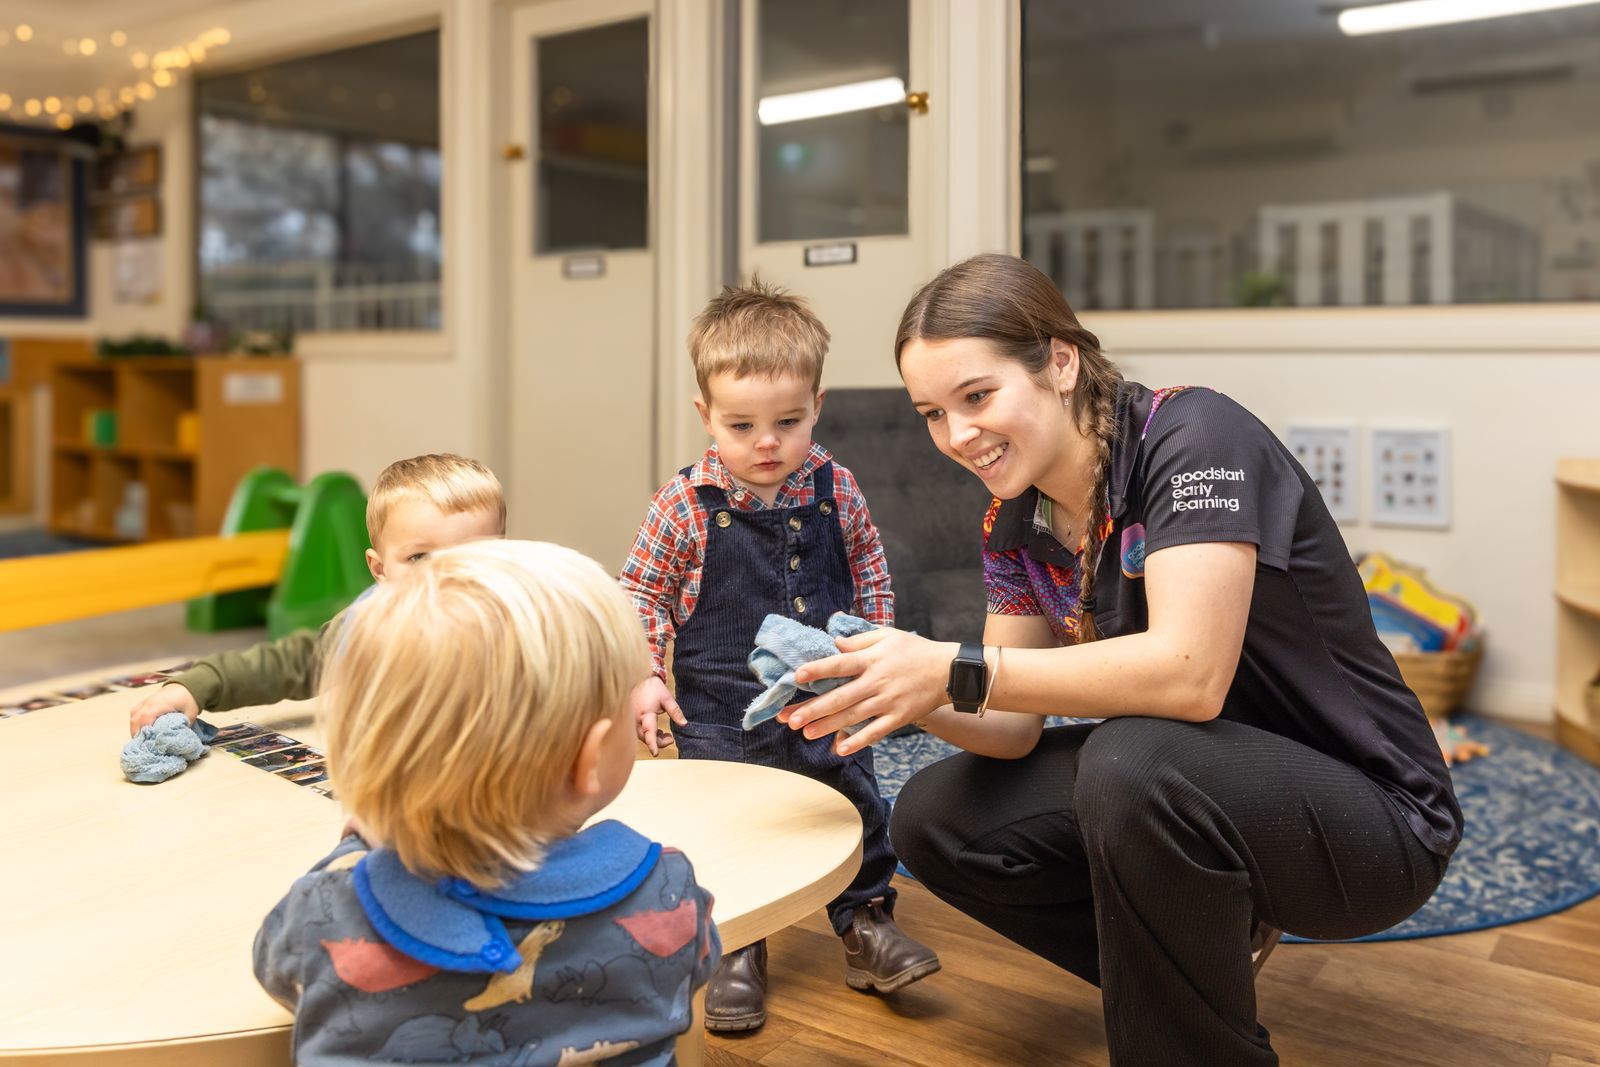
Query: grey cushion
{"points": [[928, 509]]}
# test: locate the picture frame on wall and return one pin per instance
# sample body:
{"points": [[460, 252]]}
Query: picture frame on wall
{"points": [[43, 224]]}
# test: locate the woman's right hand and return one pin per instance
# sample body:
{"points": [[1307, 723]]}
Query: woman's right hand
{"points": [[169, 697], [895, 677]]}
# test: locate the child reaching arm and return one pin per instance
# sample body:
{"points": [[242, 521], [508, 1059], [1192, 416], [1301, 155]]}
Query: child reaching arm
{"points": [[417, 506]]}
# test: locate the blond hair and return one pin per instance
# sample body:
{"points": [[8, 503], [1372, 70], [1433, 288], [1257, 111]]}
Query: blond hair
{"points": [[757, 329], [449, 482], [456, 702]]}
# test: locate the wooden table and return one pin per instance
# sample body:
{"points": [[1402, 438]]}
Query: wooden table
{"points": [[128, 912]]}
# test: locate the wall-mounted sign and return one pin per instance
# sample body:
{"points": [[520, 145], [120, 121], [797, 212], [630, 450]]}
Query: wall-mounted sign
{"points": [[830, 255], [589, 266], [252, 387]]}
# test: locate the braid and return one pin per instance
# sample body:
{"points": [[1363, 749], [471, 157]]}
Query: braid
{"points": [[1103, 427]]}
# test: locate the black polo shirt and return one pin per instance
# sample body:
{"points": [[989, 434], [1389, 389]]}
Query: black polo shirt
{"points": [[1203, 469]]}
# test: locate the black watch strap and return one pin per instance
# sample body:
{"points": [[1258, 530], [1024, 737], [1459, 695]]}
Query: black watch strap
{"points": [[969, 678]]}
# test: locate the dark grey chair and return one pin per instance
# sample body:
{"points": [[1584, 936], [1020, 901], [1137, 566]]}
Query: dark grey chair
{"points": [[928, 510]]}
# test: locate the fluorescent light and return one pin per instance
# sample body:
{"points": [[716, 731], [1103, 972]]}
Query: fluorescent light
{"points": [[1415, 14], [834, 100]]}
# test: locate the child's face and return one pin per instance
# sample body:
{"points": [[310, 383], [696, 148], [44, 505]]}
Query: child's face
{"points": [[762, 427], [416, 527]]}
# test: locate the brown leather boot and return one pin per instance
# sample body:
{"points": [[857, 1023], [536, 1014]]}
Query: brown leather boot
{"points": [[736, 996], [878, 956]]}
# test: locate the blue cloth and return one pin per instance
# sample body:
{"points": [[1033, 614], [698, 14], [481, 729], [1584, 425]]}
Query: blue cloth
{"points": [[451, 923], [791, 561], [615, 983], [165, 748], [782, 645]]}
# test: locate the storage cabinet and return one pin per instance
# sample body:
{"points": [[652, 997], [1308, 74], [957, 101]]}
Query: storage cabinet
{"points": [[152, 448]]}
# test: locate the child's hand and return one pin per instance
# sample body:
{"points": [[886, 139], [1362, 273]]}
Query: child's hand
{"points": [[650, 698], [169, 697]]}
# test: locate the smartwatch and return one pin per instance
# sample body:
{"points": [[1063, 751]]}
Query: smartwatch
{"points": [[969, 677]]}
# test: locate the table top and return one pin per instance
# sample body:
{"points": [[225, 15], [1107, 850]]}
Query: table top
{"points": [[130, 910]]}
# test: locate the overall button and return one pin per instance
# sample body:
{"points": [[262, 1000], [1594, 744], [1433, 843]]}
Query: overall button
{"points": [[724, 519], [826, 507], [794, 523], [800, 605], [794, 563]]}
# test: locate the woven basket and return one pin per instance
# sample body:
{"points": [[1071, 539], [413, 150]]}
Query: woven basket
{"points": [[1440, 679]]}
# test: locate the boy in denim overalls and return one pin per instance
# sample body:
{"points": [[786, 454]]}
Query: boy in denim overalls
{"points": [[764, 523]]}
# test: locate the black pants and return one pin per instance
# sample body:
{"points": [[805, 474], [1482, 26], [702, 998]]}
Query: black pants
{"points": [[1137, 854]]}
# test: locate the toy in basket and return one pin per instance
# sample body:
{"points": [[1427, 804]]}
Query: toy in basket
{"points": [[1436, 642]]}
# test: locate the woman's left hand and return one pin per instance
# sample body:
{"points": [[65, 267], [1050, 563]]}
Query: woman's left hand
{"points": [[896, 678]]}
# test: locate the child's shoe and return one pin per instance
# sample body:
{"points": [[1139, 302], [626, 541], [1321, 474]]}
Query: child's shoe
{"points": [[736, 996], [877, 955]]}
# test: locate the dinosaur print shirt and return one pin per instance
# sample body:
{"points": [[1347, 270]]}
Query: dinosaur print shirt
{"points": [[592, 958]]}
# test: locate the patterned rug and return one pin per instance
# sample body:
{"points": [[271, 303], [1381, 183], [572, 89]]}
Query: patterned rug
{"points": [[1531, 845]]}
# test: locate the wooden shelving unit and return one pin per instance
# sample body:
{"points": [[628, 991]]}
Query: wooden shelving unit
{"points": [[247, 412], [1578, 600]]}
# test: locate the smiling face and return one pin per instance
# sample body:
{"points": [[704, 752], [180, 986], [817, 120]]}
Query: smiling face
{"points": [[762, 426], [991, 415]]}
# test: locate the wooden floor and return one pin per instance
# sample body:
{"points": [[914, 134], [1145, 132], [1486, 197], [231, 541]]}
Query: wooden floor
{"points": [[1516, 996]]}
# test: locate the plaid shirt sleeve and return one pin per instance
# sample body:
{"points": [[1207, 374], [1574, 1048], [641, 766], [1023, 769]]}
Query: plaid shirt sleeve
{"points": [[655, 566], [868, 566], [1005, 576]]}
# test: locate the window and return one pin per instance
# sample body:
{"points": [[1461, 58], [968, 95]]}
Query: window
{"points": [[319, 191], [832, 122], [1222, 153]]}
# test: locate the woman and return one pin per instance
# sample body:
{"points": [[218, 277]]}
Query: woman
{"points": [[1261, 764]]}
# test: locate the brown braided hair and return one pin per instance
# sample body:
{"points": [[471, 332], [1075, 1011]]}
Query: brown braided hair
{"points": [[1013, 305]]}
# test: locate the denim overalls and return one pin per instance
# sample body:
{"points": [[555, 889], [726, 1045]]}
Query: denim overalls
{"points": [[788, 561]]}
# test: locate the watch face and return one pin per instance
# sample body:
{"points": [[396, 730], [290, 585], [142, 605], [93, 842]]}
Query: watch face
{"points": [[966, 682]]}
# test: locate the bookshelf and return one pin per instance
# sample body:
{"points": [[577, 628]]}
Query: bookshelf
{"points": [[151, 448], [1577, 602]]}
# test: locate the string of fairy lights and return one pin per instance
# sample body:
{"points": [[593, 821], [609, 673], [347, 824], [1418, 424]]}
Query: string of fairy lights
{"points": [[133, 74]]}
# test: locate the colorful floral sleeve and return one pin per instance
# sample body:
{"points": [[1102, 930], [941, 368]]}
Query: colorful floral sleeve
{"points": [[1005, 578]]}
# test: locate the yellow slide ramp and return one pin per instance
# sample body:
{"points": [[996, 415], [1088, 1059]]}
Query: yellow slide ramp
{"points": [[39, 590]]}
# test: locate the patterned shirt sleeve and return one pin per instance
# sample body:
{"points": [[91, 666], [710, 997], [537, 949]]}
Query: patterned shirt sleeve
{"points": [[1005, 577], [654, 569], [868, 566]]}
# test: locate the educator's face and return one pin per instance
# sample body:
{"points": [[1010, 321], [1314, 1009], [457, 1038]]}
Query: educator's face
{"points": [[988, 413]]}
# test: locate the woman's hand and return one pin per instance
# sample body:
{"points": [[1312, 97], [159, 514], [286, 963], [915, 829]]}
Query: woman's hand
{"points": [[896, 678]]}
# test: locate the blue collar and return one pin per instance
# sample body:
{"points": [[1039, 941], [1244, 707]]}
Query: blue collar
{"points": [[452, 925]]}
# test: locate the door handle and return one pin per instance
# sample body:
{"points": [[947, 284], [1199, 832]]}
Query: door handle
{"points": [[513, 152], [918, 102]]}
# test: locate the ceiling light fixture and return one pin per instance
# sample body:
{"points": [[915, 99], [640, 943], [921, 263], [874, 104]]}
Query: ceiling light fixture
{"points": [[834, 100], [1418, 14]]}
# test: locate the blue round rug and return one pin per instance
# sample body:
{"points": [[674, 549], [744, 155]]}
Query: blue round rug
{"points": [[1531, 844]]}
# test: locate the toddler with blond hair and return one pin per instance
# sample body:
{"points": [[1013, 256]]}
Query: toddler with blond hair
{"points": [[474, 916]]}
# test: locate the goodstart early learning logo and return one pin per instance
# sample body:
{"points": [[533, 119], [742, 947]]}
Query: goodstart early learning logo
{"points": [[1196, 490]]}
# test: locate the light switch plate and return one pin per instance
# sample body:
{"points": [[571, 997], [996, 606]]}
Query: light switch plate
{"points": [[1328, 453], [1411, 477]]}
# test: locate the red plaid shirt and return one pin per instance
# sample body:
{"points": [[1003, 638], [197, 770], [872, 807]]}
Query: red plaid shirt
{"points": [[662, 573]]}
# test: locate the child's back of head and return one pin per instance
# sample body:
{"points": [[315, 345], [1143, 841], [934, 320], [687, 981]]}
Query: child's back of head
{"points": [[476, 717], [458, 701]]}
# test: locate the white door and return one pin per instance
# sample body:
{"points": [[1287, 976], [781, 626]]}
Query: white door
{"points": [[582, 222], [835, 166]]}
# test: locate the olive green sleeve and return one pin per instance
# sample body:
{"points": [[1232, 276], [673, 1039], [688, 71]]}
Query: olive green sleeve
{"points": [[285, 669]]}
